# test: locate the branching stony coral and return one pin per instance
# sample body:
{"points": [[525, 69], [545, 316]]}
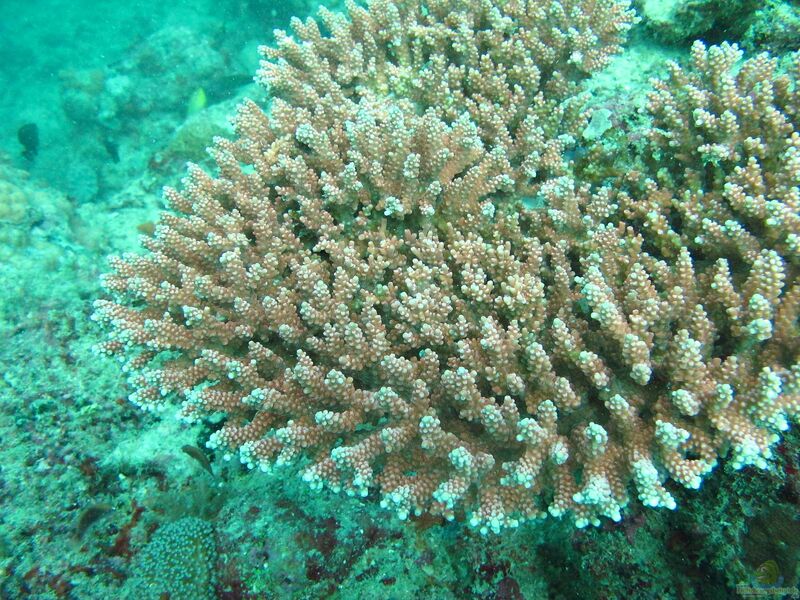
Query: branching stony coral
{"points": [[724, 191], [395, 281]]}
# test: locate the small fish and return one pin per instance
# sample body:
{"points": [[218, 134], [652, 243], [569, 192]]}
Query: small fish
{"points": [[197, 102], [199, 456], [112, 148], [89, 515], [28, 136]]}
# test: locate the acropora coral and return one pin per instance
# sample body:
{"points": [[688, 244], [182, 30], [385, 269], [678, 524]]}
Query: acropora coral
{"points": [[398, 279]]}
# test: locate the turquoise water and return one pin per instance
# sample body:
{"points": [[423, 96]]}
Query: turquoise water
{"points": [[101, 105]]}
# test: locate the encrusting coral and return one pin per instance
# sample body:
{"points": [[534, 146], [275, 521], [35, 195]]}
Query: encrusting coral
{"points": [[397, 280]]}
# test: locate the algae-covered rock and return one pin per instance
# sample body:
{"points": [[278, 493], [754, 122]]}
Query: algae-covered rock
{"points": [[682, 21]]}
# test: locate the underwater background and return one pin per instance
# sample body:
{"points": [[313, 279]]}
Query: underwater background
{"points": [[103, 103]]}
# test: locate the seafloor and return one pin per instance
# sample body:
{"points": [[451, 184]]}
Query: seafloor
{"points": [[91, 489]]}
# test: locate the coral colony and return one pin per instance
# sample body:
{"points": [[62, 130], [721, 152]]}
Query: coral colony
{"points": [[413, 273]]}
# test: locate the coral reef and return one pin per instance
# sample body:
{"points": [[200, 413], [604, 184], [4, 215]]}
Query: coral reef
{"points": [[400, 279], [179, 562]]}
